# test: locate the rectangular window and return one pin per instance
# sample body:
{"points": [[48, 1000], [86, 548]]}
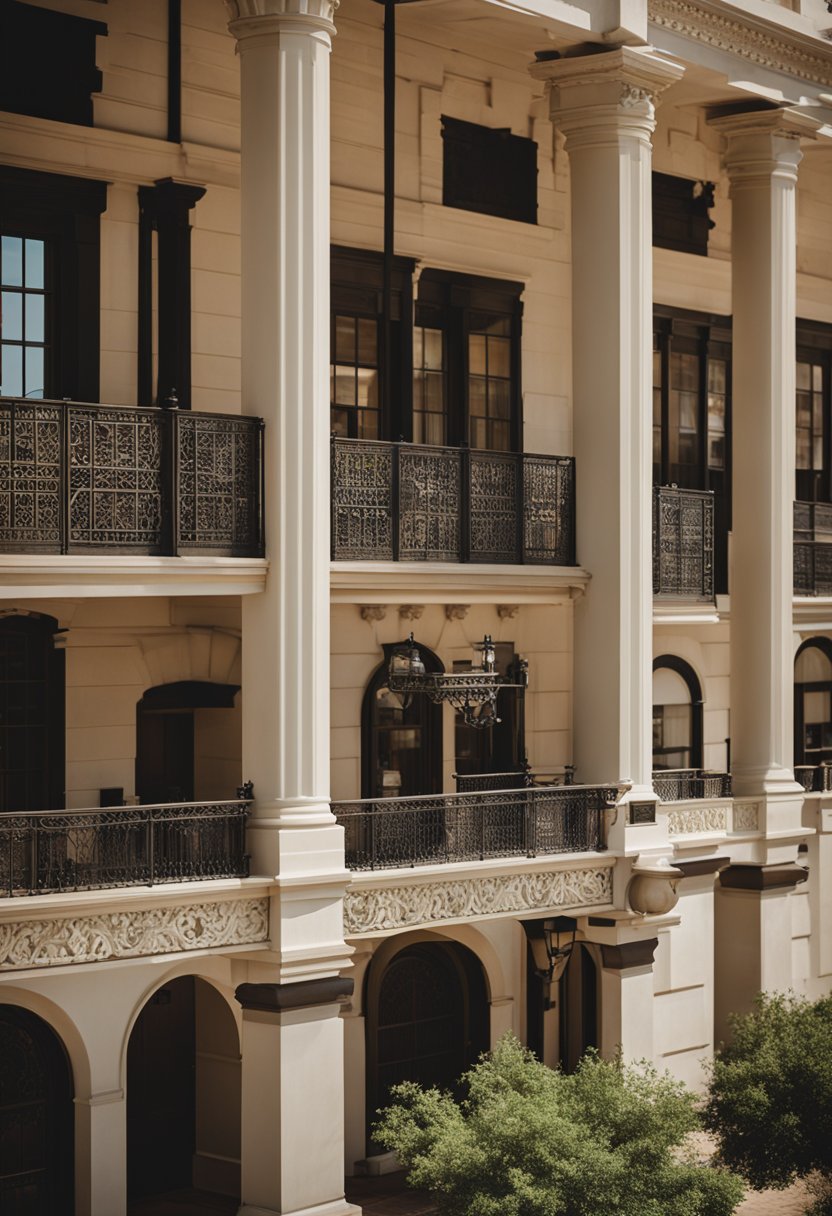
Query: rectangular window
{"points": [[489, 382], [684, 419], [489, 170], [24, 317], [355, 374], [429, 396], [47, 63], [680, 213], [717, 407]]}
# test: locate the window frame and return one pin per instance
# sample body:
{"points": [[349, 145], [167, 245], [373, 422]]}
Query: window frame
{"points": [[431, 725], [801, 688], [683, 669], [814, 344]]}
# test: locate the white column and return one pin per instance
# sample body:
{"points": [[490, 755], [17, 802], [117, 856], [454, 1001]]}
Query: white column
{"points": [[605, 106], [762, 156], [284, 48], [627, 1002], [101, 1154]]}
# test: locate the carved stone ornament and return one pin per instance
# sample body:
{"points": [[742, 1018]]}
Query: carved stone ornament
{"points": [[411, 612], [457, 612], [632, 97], [685, 821], [746, 816], [399, 907], [773, 50], [373, 612], [99, 937], [507, 612]]}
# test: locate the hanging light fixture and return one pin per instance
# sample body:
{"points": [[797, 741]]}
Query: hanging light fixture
{"points": [[552, 942], [473, 693]]}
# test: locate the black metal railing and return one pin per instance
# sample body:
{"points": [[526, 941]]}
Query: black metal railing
{"points": [[812, 548], [78, 478], [815, 778], [679, 784], [683, 542], [387, 832], [473, 782], [51, 851], [405, 502]]}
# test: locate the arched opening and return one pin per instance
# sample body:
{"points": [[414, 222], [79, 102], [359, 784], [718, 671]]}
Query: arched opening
{"points": [[401, 745], [677, 714], [36, 1117], [427, 1019], [32, 701], [813, 702], [183, 1099], [188, 742], [578, 1003]]}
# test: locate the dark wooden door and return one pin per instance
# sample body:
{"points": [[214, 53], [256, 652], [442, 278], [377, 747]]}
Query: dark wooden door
{"points": [[165, 755], [161, 1107], [36, 1118], [578, 1008]]}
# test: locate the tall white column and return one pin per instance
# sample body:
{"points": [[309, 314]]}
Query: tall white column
{"points": [[762, 156], [605, 106]]}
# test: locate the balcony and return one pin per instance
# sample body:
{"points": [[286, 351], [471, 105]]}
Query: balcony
{"points": [[403, 502], [50, 852], [681, 784], [812, 548], [815, 778], [78, 478], [683, 543], [387, 833]]}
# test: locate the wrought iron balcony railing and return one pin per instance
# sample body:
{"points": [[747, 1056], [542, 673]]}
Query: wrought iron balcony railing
{"points": [[679, 784], [683, 542], [46, 852], [384, 833], [403, 502], [77, 478], [812, 548], [815, 778], [471, 782]]}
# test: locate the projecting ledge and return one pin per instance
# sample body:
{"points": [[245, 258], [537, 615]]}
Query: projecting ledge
{"points": [[439, 583], [27, 576]]}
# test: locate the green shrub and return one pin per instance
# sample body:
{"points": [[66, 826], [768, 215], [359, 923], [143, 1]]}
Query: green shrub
{"points": [[528, 1141], [770, 1100]]}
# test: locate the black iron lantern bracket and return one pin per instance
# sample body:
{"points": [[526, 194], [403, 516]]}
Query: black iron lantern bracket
{"points": [[472, 693]]}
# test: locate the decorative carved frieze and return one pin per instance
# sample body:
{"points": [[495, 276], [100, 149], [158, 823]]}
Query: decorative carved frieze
{"points": [[507, 612], [457, 612], [411, 612], [773, 50], [373, 612], [399, 907], [684, 821], [746, 816], [97, 937]]}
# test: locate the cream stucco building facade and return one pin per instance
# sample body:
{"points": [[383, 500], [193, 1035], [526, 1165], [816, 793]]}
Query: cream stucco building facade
{"points": [[523, 331]]}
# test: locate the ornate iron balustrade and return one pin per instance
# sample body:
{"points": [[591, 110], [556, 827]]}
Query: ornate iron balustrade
{"points": [[77, 478], [679, 784], [815, 778], [383, 833], [812, 548], [471, 782], [683, 542], [51, 851], [400, 501]]}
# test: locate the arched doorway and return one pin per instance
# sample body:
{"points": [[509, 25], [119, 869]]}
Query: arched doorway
{"points": [[36, 1118], [578, 1025], [401, 745], [677, 714], [813, 702], [188, 742], [183, 1097], [427, 1019], [32, 706]]}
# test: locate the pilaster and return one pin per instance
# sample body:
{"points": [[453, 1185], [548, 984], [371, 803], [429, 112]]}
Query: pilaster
{"points": [[604, 104]]}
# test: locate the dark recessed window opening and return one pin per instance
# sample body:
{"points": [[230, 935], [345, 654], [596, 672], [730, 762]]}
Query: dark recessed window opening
{"points": [[489, 170], [680, 213], [47, 63]]}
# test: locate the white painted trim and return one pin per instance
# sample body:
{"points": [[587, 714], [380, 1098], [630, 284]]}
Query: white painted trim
{"points": [[438, 583], [35, 576]]}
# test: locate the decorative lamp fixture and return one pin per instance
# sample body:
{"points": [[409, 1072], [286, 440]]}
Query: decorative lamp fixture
{"points": [[552, 942], [473, 692]]}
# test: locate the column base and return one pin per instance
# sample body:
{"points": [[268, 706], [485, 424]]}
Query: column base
{"points": [[338, 1207]]}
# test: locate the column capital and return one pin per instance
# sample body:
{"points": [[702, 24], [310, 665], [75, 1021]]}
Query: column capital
{"points": [[592, 97], [763, 144], [264, 19]]}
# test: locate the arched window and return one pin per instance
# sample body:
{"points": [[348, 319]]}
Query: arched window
{"points": [[677, 714], [813, 702], [188, 742], [31, 715], [401, 745], [36, 1117]]}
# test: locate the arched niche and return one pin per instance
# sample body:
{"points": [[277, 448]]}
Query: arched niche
{"points": [[677, 714], [813, 702]]}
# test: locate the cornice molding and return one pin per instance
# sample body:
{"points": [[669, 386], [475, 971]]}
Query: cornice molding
{"points": [[264, 18], [755, 42]]}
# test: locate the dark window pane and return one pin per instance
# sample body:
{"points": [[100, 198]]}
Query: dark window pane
{"points": [[476, 355], [367, 342], [344, 339], [35, 318], [500, 439], [11, 321], [476, 396], [12, 371], [34, 263], [345, 386], [433, 352], [34, 371], [11, 261], [499, 357], [367, 387], [499, 399]]}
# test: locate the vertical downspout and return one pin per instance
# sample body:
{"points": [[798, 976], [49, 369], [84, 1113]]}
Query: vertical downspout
{"points": [[389, 213]]}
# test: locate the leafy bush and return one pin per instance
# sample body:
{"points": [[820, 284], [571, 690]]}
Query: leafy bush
{"points": [[528, 1141], [770, 1100]]}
